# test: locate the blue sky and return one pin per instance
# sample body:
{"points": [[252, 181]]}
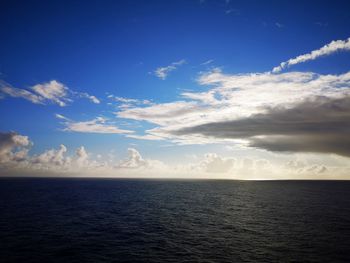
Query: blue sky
{"points": [[103, 48]]}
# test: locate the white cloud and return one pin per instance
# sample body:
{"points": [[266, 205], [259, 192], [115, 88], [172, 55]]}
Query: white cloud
{"points": [[14, 160], [92, 98], [232, 97], [232, 11], [124, 100], [7, 89], [52, 158], [52, 91], [60, 116], [332, 47], [207, 62], [214, 163], [124, 103], [134, 160], [97, 125], [81, 157], [163, 72], [279, 25], [12, 146], [161, 113]]}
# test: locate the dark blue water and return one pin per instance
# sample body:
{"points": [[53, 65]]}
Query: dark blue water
{"points": [[95, 220]]}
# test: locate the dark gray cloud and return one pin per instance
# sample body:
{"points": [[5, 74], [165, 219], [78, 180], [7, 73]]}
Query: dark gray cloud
{"points": [[320, 124]]}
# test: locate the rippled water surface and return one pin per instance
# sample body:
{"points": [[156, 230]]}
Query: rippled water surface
{"points": [[102, 220]]}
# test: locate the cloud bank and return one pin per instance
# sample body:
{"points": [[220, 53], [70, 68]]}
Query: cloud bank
{"points": [[15, 161]]}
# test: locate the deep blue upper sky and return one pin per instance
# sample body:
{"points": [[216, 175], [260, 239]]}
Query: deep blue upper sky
{"points": [[112, 46]]}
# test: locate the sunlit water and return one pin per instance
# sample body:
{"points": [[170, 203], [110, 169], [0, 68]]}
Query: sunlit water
{"points": [[92, 220]]}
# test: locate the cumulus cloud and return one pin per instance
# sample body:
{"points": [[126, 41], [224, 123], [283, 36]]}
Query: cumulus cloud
{"points": [[15, 160], [11, 147], [332, 47], [214, 163], [97, 125], [82, 157], [163, 72], [48, 92], [134, 160], [52, 157]]}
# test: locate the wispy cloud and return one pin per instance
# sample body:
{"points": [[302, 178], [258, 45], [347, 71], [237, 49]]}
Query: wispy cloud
{"points": [[97, 125], [279, 25], [92, 98], [49, 92], [321, 24], [332, 47], [8, 90], [163, 72], [232, 11], [207, 62], [125, 103]]}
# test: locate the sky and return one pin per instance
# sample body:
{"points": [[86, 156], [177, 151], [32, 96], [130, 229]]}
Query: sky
{"points": [[192, 89]]}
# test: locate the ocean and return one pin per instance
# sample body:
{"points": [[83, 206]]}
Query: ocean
{"points": [[136, 220]]}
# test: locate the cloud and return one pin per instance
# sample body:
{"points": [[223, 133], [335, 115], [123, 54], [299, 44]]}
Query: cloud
{"points": [[332, 47], [279, 25], [92, 98], [319, 124], [53, 91], [163, 72], [20, 93], [160, 113], [52, 158], [301, 167], [214, 163], [232, 11], [82, 157], [124, 100], [128, 102], [207, 62], [15, 160], [233, 97], [60, 116], [134, 160], [48, 92], [12, 147], [97, 125]]}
